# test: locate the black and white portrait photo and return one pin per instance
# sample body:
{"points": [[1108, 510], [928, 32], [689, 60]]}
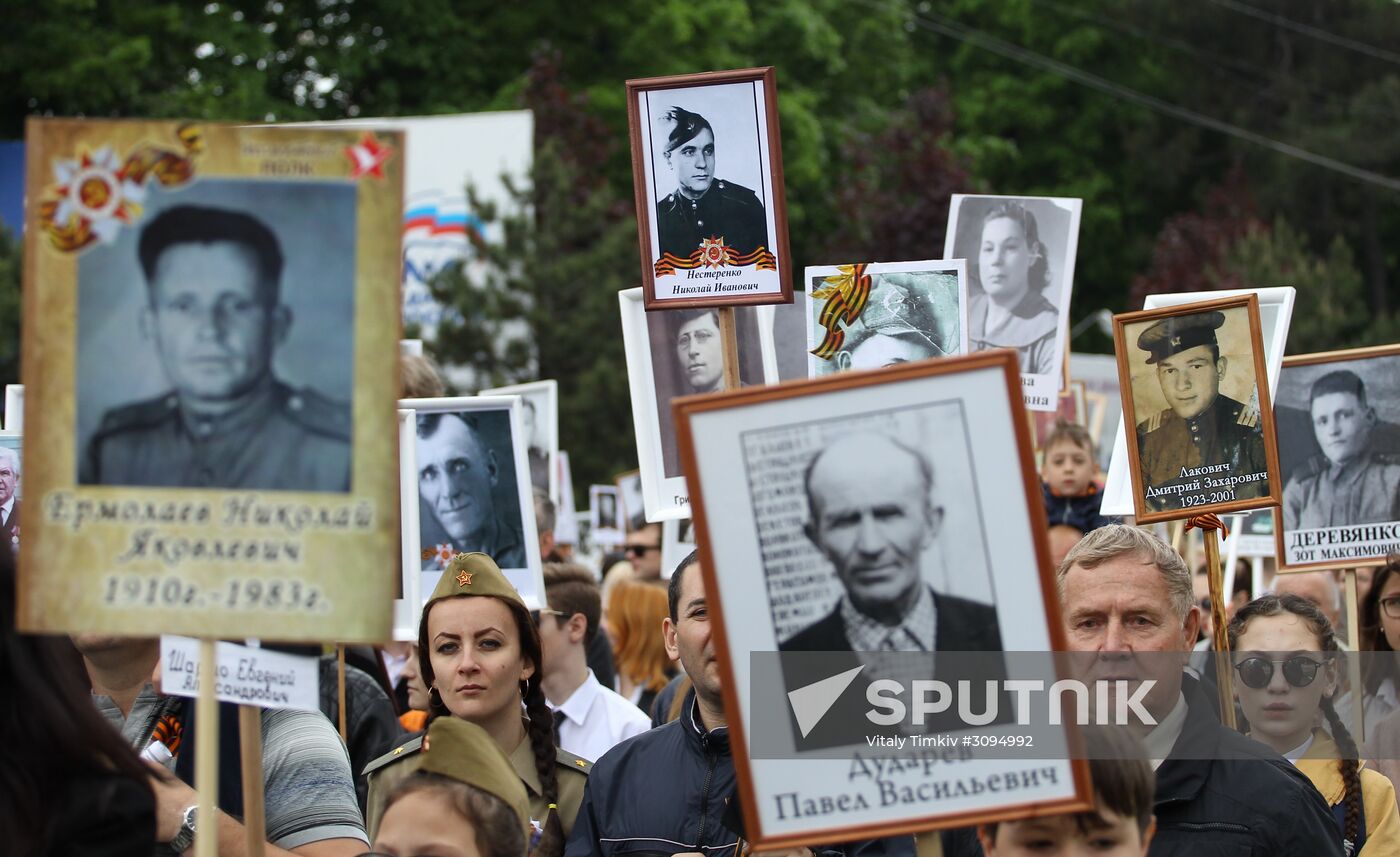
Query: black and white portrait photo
{"points": [[632, 513], [708, 176], [885, 525], [604, 515], [473, 485], [1338, 420], [889, 313], [203, 355], [1194, 378], [1020, 253], [679, 352], [540, 411]]}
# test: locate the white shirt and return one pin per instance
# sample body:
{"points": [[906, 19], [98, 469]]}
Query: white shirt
{"points": [[596, 719], [1159, 742], [5, 509]]}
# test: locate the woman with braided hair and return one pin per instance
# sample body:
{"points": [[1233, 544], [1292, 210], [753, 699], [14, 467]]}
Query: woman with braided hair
{"points": [[1287, 664], [479, 655]]}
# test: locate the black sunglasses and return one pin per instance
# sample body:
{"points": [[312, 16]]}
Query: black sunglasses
{"points": [[1299, 671], [640, 550], [536, 614]]}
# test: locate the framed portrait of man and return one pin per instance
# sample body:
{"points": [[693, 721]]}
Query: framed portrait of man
{"points": [[868, 316], [631, 509], [540, 406], [180, 280], [675, 353], [1338, 417], [859, 531], [1275, 316], [1195, 390], [1020, 253], [11, 488], [605, 519], [707, 165], [474, 491], [408, 604]]}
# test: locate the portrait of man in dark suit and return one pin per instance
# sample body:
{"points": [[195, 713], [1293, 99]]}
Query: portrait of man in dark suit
{"points": [[871, 513], [9, 496]]}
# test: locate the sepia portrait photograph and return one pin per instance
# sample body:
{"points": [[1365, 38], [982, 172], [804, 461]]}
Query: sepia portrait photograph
{"points": [[474, 491], [868, 316], [202, 355], [605, 515], [1338, 418], [1020, 255], [539, 402], [679, 352], [889, 525], [1275, 317], [707, 166], [221, 312], [1197, 396]]}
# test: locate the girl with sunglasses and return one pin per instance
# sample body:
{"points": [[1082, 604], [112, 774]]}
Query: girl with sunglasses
{"points": [[1286, 662], [479, 655]]}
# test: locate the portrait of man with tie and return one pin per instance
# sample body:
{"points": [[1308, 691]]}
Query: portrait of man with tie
{"points": [[9, 494]]}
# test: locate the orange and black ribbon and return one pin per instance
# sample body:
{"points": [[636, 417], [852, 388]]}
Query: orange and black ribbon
{"points": [[761, 258], [1208, 522], [846, 294]]}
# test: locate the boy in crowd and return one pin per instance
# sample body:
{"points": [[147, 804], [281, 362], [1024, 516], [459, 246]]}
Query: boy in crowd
{"points": [[1072, 498]]}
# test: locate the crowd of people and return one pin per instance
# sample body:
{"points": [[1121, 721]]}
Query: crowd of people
{"points": [[596, 724]]}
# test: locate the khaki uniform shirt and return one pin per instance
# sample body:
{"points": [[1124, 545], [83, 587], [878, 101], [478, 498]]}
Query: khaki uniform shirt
{"points": [[1365, 490]]}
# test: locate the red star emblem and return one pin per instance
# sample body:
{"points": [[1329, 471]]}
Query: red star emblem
{"points": [[463, 579], [368, 157]]}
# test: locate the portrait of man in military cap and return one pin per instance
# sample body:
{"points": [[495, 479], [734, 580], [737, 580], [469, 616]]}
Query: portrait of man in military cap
{"points": [[1339, 448], [1200, 427], [236, 404], [911, 313]]}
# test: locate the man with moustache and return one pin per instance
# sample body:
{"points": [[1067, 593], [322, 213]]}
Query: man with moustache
{"points": [[702, 207], [215, 317], [1201, 427], [457, 477]]}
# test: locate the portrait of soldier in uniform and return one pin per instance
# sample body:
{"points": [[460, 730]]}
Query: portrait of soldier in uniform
{"points": [[703, 206], [215, 315], [461, 477], [1353, 480], [1202, 432]]}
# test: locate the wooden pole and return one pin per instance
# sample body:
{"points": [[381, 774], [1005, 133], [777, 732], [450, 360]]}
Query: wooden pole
{"points": [[250, 748], [206, 753], [1220, 639], [729, 341], [340, 677], [1358, 709]]}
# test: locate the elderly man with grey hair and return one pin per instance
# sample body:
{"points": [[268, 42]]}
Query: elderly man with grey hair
{"points": [[9, 496], [1127, 601]]}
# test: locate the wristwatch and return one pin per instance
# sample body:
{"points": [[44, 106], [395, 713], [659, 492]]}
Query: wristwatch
{"points": [[184, 838]]}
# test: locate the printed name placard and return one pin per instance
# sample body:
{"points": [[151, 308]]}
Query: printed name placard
{"points": [[246, 676]]}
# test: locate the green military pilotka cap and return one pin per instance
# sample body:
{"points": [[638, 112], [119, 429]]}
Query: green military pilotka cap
{"points": [[462, 751], [1179, 333], [474, 574]]}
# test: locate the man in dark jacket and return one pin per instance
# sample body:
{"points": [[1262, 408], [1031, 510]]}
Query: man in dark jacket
{"points": [[673, 789]]}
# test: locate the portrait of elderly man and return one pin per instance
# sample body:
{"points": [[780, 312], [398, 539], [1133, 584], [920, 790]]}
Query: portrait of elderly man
{"points": [[215, 317], [1200, 427], [458, 473], [1350, 481], [872, 514], [9, 496], [1127, 605], [702, 206], [900, 324]]}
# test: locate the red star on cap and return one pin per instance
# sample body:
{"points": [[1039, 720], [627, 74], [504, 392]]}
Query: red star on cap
{"points": [[368, 157], [463, 579]]}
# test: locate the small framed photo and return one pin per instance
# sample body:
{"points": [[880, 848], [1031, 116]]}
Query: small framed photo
{"points": [[605, 519], [11, 488], [474, 491], [869, 316], [931, 463], [1338, 417], [1020, 252], [707, 164], [1196, 390], [180, 281], [565, 518], [630, 505], [408, 603], [677, 541], [540, 406], [1275, 316], [679, 353]]}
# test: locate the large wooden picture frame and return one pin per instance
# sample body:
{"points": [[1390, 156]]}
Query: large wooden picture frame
{"points": [[1338, 419], [748, 453], [716, 236], [1196, 448]]}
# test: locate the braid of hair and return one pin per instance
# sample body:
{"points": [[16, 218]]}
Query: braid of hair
{"points": [[1351, 770], [541, 732]]}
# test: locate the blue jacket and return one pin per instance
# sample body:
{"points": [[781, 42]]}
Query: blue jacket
{"points": [[673, 789], [1082, 513]]}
